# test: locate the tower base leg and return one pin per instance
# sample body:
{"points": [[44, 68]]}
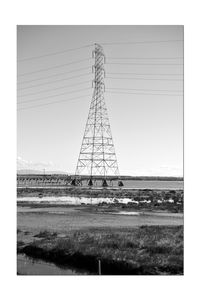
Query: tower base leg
{"points": [[120, 183], [104, 183], [90, 183]]}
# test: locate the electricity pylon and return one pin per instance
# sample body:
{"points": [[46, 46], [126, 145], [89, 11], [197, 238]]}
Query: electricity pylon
{"points": [[97, 155]]}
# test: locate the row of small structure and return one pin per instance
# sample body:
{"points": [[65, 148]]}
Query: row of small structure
{"points": [[27, 180]]}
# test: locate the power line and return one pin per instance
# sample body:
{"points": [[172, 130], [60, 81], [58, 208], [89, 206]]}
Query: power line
{"points": [[146, 64], [162, 74], [141, 42], [89, 45], [127, 89], [61, 87], [55, 53], [55, 67], [109, 57], [145, 94], [39, 99], [49, 103], [162, 79], [54, 75], [88, 68], [74, 98], [30, 94], [64, 79]]}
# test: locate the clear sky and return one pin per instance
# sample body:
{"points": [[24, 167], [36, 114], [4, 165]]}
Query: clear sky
{"points": [[145, 107]]}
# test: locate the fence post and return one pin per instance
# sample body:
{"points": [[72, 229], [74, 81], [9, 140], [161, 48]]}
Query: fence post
{"points": [[99, 266]]}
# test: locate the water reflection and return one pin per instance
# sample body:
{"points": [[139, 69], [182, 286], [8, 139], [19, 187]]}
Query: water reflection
{"points": [[29, 266]]}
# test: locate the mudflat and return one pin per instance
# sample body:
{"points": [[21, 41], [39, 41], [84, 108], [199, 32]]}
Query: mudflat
{"points": [[64, 218]]}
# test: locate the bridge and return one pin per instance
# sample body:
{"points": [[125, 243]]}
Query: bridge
{"points": [[49, 180]]}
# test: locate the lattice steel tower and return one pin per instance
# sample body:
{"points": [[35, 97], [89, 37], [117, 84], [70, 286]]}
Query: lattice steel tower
{"points": [[97, 155]]}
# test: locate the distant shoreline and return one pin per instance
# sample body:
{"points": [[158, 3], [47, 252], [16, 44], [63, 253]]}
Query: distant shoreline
{"points": [[123, 177]]}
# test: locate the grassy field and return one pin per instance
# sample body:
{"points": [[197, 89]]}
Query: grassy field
{"points": [[144, 250]]}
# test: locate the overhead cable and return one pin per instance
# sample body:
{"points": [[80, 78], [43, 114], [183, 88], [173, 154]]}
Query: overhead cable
{"points": [[54, 75], [55, 67], [145, 64], [155, 74], [144, 94], [60, 87], [54, 53], [162, 79], [151, 58], [49, 103], [141, 42], [58, 80], [39, 99], [128, 89]]}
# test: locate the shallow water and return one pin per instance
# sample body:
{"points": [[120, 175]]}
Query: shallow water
{"points": [[146, 184], [72, 200], [128, 184], [29, 266], [127, 213]]}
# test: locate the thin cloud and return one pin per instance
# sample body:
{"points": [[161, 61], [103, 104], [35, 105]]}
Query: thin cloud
{"points": [[26, 164]]}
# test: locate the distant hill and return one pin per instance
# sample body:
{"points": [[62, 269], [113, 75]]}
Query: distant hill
{"points": [[39, 172], [122, 177]]}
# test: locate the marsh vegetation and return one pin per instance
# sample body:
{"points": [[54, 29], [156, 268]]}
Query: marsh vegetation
{"points": [[151, 250]]}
